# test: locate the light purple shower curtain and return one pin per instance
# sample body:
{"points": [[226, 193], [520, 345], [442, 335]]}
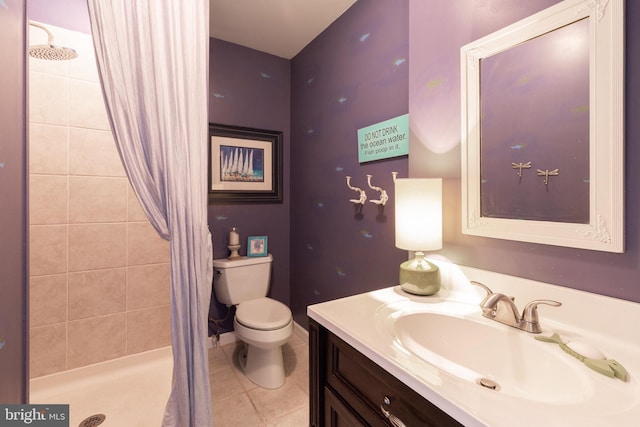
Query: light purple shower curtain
{"points": [[152, 58]]}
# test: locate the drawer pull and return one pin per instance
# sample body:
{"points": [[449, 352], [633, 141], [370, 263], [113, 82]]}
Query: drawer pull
{"points": [[395, 421]]}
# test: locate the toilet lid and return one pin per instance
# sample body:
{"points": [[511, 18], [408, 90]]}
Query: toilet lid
{"points": [[263, 313]]}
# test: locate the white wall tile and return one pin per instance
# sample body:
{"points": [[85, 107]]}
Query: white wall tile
{"points": [[48, 199], [86, 105], [95, 199], [95, 246], [47, 249], [48, 149], [93, 152], [48, 99]]}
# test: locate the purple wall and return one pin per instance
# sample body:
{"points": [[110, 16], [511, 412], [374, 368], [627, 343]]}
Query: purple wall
{"points": [[353, 75], [69, 14], [252, 89], [13, 205], [438, 28]]}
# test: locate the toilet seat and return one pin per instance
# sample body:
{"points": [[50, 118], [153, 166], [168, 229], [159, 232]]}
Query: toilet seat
{"points": [[263, 314]]}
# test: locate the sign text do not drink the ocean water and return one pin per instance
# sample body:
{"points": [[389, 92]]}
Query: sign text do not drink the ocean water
{"points": [[384, 140]]}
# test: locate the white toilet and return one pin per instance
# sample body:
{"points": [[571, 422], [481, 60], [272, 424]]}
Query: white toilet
{"points": [[262, 323]]}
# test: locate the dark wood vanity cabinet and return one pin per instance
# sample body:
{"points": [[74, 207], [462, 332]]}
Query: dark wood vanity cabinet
{"points": [[347, 388]]}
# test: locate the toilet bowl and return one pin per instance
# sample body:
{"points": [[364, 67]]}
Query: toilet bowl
{"points": [[262, 324]]}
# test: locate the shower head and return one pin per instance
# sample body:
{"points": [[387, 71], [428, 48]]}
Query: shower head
{"points": [[50, 51]]}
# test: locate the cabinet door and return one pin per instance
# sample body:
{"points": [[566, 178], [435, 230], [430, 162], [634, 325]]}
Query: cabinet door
{"points": [[337, 414]]}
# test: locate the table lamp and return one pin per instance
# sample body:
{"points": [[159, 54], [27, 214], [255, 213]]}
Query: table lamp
{"points": [[419, 228]]}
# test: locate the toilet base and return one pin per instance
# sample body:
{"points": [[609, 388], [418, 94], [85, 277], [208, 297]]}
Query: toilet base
{"points": [[264, 367]]}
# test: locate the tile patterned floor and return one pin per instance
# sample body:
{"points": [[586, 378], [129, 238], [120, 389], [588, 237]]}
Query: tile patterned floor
{"points": [[238, 402]]}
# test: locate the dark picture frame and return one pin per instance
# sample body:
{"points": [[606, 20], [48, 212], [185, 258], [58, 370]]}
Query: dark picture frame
{"points": [[245, 165]]}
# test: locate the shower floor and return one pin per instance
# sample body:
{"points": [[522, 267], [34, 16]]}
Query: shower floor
{"points": [[131, 391]]}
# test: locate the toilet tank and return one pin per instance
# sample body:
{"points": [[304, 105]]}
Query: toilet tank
{"points": [[241, 279]]}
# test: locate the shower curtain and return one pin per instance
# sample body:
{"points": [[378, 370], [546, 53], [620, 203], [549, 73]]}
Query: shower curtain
{"points": [[152, 58]]}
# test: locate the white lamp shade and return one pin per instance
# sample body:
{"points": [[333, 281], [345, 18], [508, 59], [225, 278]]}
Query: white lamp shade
{"points": [[418, 213]]}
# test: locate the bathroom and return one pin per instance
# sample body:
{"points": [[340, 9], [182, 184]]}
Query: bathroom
{"points": [[322, 250]]}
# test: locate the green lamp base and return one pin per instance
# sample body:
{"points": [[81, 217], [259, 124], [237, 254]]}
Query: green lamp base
{"points": [[419, 276]]}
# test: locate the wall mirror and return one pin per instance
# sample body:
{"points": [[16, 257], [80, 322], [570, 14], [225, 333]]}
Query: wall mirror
{"points": [[543, 128]]}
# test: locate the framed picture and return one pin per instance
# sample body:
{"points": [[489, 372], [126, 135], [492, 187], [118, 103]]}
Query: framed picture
{"points": [[257, 246], [245, 165]]}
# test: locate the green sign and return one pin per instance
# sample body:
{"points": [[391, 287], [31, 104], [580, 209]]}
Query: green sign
{"points": [[384, 140]]}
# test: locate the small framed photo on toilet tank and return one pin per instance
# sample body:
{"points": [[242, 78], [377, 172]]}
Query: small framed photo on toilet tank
{"points": [[257, 246]]}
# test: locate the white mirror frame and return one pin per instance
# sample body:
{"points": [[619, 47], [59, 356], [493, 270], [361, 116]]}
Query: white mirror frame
{"points": [[605, 230]]}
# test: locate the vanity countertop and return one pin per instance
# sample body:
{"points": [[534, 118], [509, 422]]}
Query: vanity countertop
{"points": [[606, 323]]}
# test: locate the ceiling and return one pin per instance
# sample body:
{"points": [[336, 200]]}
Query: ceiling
{"points": [[278, 27]]}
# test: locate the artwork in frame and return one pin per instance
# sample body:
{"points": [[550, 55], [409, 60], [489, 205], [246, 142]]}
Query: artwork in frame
{"points": [[257, 246], [245, 165]]}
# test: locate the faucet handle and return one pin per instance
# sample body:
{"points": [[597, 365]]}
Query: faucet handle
{"points": [[530, 320]]}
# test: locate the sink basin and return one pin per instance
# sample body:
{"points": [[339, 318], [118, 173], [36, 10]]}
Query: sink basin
{"points": [[503, 359]]}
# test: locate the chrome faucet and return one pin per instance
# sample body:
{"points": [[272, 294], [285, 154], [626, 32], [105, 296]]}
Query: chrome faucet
{"points": [[502, 308]]}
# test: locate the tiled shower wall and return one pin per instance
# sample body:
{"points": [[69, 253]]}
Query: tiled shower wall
{"points": [[99, 274]]}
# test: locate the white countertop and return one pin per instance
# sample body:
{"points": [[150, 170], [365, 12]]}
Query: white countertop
{"points": [[610, 324]]}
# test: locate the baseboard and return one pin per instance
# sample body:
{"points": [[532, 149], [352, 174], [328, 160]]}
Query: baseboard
{"points": [[301, 332]]}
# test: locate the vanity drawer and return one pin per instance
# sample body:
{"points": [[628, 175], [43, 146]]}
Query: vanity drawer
{"points": [[365, 385]]}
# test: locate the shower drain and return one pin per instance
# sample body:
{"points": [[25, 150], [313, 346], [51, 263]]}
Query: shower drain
{"points": [[93, 420]]}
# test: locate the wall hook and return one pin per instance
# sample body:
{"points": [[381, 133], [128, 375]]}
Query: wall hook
{"points": [[395, 175], [383, 194], [363, 195], [547, 173], [520, 166]]}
